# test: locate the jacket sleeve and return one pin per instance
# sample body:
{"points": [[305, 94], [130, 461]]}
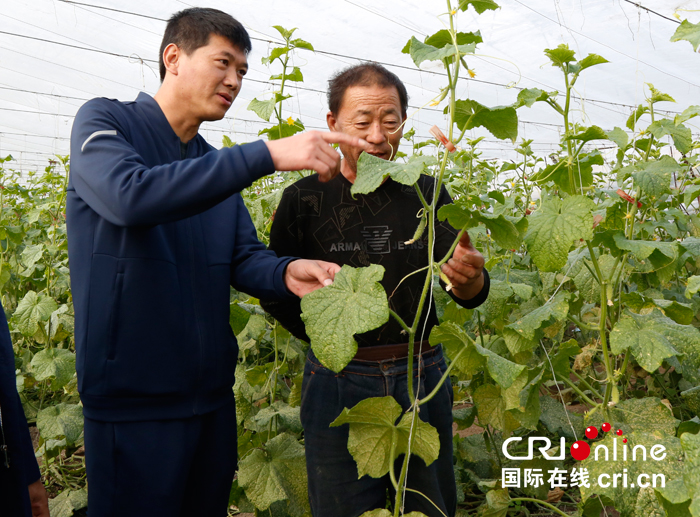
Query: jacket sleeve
{"points": [[255, 269], [20, 449], [113, 179], [445, 237], [284, 241]]}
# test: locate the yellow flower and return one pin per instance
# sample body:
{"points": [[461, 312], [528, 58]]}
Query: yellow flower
{"points": [[434, 103], [453, 12], [471, 73], [290, 121]]}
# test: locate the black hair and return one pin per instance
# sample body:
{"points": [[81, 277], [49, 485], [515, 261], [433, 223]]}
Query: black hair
{"points": [[366, 74], [190, 29]]}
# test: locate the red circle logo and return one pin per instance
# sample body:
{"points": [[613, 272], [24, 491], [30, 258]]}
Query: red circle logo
{"points": [[591, 432], [580, 450]]}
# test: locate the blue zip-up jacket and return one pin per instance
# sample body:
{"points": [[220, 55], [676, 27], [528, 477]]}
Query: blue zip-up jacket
{"points": [[154, 243], [23, 469]]}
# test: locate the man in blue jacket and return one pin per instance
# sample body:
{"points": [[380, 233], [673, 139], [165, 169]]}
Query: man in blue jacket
{"points": [[157, 234], [22, 493]]}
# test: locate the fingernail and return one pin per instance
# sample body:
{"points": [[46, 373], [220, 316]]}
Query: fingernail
{"points": [[327, 282]]}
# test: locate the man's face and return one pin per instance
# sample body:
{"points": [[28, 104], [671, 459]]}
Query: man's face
{"points": [[372, 113], [211, 77]]}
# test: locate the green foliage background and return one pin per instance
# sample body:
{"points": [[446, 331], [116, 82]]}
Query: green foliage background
{"points": [[592, 314]]}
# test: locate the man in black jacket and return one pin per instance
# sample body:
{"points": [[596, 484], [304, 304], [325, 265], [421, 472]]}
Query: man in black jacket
{"points": [[22, 493], [325, 221]]}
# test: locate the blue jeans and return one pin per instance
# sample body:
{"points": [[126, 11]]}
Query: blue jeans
{"points": [[334, 488]]}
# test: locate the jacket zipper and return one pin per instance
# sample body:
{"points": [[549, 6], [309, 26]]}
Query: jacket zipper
{"points": [[3, 444], [194, 308]]}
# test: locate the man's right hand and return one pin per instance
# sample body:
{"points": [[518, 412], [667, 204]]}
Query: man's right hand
{"points": [[312, 150]]}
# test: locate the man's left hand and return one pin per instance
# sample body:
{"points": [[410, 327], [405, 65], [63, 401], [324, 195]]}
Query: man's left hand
{"points": [[304, 276], [38, 499], [465, 269]]}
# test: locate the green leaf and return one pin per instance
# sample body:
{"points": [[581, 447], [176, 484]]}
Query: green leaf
{"points": [[690, 193], [688, 113], [657, 96], [479, 5], [238, 318], [500, 121], [300, 43], [295, 76], [591, 133], [625, 498], [285, 33], [692, 246], [443, 38], [636, 415], [678, 312], [582, 172], [32, 254], [561, 362], [31, 310], [354, 303], [422, 52], [503, 231], [496, 504], [286, 129], [591, 60], [287, 417], [61, 421], [276, 473], [619, 136], [682, 137], [585, 282], [60, 506], [523, 334], [490, 405], [647, 504], [555, 227], [382, 512], [274, 54], [372, 171], [560, 56], [689, 32], [530, 96], [265, 109], [634, 117], [464, 417], [54, 362], [494, 306], [558, 420], [647, 338], [249, 337], [692, 287], [373, 429], [455, 339], [658, 254]]}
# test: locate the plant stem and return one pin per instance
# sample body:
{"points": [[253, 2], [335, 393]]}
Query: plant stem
{"points": [[602, 325], [448, 255], [588, 385], [444, 377], [400, 320], [578, 391]]}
